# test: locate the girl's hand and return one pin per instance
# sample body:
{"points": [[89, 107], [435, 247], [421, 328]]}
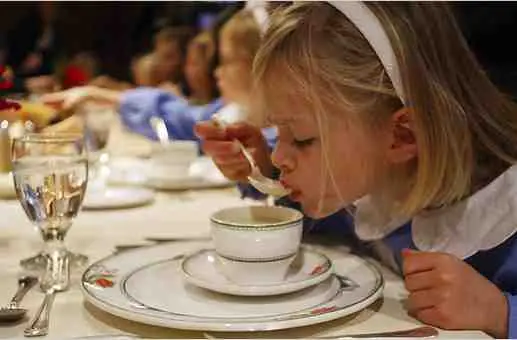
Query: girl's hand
{"points": [[72, 98], [74, 124], [218, 143], [448, 293]]}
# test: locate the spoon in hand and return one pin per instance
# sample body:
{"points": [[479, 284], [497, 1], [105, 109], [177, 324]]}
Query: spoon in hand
{"points": [[262, 183]]}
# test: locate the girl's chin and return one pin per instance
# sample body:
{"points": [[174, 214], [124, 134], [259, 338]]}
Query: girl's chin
{"points": [[318, 212]]}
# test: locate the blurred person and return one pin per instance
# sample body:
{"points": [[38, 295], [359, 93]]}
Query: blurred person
{"points": [[32, 45], [139, 105], [145, 71], [200, 83], [31, 48], [169, 52], [80, 70]]}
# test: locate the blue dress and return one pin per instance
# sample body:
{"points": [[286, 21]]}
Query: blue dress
{"points": [[139, 105]]}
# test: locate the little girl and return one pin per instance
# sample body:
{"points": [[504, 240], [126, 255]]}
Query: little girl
{"points": [[382, 108], [200, 82]]}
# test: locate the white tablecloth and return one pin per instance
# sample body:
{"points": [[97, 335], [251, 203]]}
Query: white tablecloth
{"points": [[172, 215], [182, 214]]}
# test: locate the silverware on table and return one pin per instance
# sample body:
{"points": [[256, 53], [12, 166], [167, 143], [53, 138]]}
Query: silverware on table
{"points": [[13, 312], [417, 332], [158, 239], [56, 279]]}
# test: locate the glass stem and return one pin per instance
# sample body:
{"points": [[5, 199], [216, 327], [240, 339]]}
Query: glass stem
{"points": [[57, 270], [54, 240]]}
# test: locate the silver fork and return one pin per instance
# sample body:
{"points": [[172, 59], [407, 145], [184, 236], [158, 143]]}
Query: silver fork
{"points": [[55, 279]]}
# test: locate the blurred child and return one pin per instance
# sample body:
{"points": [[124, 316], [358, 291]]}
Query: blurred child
{"points": [[138, 106], [145, 71], [200, 82], [169, 53]]}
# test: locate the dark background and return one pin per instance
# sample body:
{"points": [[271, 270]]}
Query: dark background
{"points": [[116, 31]]}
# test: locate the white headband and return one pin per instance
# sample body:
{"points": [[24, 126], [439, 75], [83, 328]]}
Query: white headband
{"points": [[370, 27], [258, 9]]}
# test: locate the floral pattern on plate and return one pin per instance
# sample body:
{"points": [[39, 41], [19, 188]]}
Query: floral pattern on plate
{"points": [[99, 276]]}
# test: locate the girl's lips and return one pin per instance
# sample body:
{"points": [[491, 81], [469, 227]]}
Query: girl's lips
{"points": [[295, 194], [286, 185]]}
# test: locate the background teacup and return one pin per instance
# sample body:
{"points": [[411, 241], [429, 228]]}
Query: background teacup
{"points": [[256, 244], [173, 160]]}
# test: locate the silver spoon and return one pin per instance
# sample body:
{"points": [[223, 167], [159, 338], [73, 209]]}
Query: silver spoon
{"points": [[13, 311], [262, 183], [159, 127]]}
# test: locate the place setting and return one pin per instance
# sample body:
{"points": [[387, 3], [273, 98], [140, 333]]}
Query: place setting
{"points": [[175, 166], [100, 195], [253, 276], [50, 179]]}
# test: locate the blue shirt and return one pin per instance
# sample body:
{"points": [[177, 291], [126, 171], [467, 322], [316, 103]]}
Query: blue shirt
{"points": [[139, 105]]}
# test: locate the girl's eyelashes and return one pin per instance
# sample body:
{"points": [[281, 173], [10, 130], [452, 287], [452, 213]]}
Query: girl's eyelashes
{"points": [[303, 143]]}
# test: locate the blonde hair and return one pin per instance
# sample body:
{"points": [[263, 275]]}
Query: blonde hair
{"points": [[465, 129], [244, 32]]}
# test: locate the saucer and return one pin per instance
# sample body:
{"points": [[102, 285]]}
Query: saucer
{"points": [[308, 269], [117, 198], [201, 174], [146, 285], [128, 171]]}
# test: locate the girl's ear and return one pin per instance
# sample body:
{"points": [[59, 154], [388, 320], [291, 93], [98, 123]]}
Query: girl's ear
{"points": [[403, 146]]}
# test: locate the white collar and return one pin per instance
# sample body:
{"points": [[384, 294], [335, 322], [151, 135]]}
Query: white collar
{"points": [[480, 222]]}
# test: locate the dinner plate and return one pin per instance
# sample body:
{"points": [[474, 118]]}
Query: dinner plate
{"points": [[146, 285]]}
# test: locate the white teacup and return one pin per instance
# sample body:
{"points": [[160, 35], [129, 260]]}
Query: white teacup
{"points": [[173, 160], [256, 244]]}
